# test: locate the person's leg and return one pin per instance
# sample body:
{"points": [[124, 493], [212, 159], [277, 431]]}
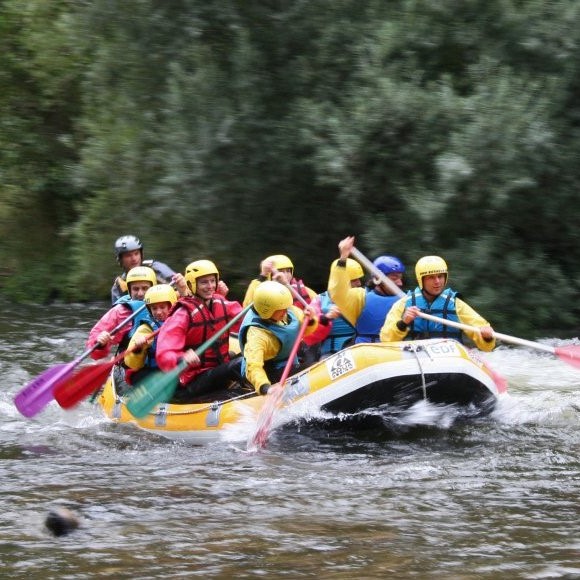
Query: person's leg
{"points": [[216, 378]]}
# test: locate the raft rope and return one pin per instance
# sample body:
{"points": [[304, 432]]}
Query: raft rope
{"points": [[415, 350], [209, 407]]}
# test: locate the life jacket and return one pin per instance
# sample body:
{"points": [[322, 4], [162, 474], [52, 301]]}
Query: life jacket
{"points": [[150, 361], [298, 285], [443, 307], [204, 322], [285, 333], [371, 319], [122, 284], [144, 315], [342, 330]]}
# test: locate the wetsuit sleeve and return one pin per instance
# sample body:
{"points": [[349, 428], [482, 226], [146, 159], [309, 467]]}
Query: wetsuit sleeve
{"points": [[351, 301], [250, 292], [171, 339], [390, 332], [468, 316], [163, 272], [108, 321], [136, 360], [260, 347]]}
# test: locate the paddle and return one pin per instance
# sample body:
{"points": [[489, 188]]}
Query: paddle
{"points": [[88, 379], [274, 396], [569, 354], [38, 393], [159, 387]]}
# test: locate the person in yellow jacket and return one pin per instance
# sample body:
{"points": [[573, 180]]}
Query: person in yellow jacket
{"points": [[363, 308], [281, 269], [268, 333], [432, 296], [140, 357]]}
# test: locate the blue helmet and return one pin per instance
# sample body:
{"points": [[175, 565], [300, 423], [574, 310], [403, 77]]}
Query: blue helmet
{"points": [[389, 265]]}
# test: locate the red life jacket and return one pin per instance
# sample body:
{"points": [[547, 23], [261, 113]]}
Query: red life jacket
{"points": [[298, 285], [204, 322]]}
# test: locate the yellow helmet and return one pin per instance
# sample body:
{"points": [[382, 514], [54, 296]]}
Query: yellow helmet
{"points": [[281, 262], [198, 269], [271, 296], [353, 268], [160, 293], [141, 274], [430, 265]]}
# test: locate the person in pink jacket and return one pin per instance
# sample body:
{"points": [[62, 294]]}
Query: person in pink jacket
{"points": [[139, 280], [193, 320]]}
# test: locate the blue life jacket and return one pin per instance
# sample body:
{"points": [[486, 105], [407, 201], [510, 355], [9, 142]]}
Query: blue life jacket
{"points": [[285, 333], [443, 307], [150, 361], [144, 315], [342, 330], [371, 319]]}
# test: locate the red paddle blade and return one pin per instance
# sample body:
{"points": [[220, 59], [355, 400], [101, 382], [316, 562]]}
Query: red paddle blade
{"points": [[265, 418], [569, 354], [500, 381], [81, 384]]}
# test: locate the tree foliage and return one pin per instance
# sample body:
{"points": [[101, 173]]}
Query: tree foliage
{"points": [[236, 129]]}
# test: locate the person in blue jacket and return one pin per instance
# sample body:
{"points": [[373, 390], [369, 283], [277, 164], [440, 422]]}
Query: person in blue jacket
{"points": [[364, 308]]}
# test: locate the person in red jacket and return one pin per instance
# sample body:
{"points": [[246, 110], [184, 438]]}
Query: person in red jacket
{"points": [[193, 320]]}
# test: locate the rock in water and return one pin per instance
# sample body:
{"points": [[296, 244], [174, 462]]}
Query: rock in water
{"points": [[61, 521]]}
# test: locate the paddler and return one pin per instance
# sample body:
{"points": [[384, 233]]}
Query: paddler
{"points": [[193, 320], [281, 269], [140, 359], [364, 308], [139, 280], [268, 333], [432, 296], [129, 254]]}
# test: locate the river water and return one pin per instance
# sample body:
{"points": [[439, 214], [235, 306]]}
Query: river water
{"points": [[431, 498]]}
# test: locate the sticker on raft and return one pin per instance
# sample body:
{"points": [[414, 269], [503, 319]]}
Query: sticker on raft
{"points": [[443, 349], [340, 364]]}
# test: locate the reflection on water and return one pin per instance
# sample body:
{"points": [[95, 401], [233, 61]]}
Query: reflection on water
{"points": [[426, 498]]}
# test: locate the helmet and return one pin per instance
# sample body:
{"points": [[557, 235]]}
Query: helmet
{"points": [[141, 274], [389, 265], [161, 293], [198, 269], [430, 265], [353, 268], [127, 244], [281, 262], [271, 296]]}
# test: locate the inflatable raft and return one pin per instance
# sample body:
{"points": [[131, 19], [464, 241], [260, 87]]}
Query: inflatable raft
{"points": [[356, 381]]}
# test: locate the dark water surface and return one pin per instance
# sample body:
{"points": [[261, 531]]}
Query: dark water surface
{"points": [[429, 498]]}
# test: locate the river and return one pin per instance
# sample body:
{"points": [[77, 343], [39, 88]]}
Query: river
{"points": [[495, 498]]}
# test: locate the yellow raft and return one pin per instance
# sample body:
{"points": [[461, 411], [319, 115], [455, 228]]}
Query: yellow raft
{"points": [[363, 377]]}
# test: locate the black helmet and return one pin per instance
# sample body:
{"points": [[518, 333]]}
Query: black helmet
{"points": [[127, 244]]}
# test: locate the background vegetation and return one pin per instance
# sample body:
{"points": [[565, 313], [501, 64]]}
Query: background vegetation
{"points": [[234, 129]]}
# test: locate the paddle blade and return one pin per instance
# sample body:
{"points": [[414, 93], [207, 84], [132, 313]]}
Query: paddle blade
{"points": [[569, 354], [154, 389], [81, 384], [265, 418], [38, 393]]}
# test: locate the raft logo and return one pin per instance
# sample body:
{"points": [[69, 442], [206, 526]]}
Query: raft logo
{"points": [[339, 364]]}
